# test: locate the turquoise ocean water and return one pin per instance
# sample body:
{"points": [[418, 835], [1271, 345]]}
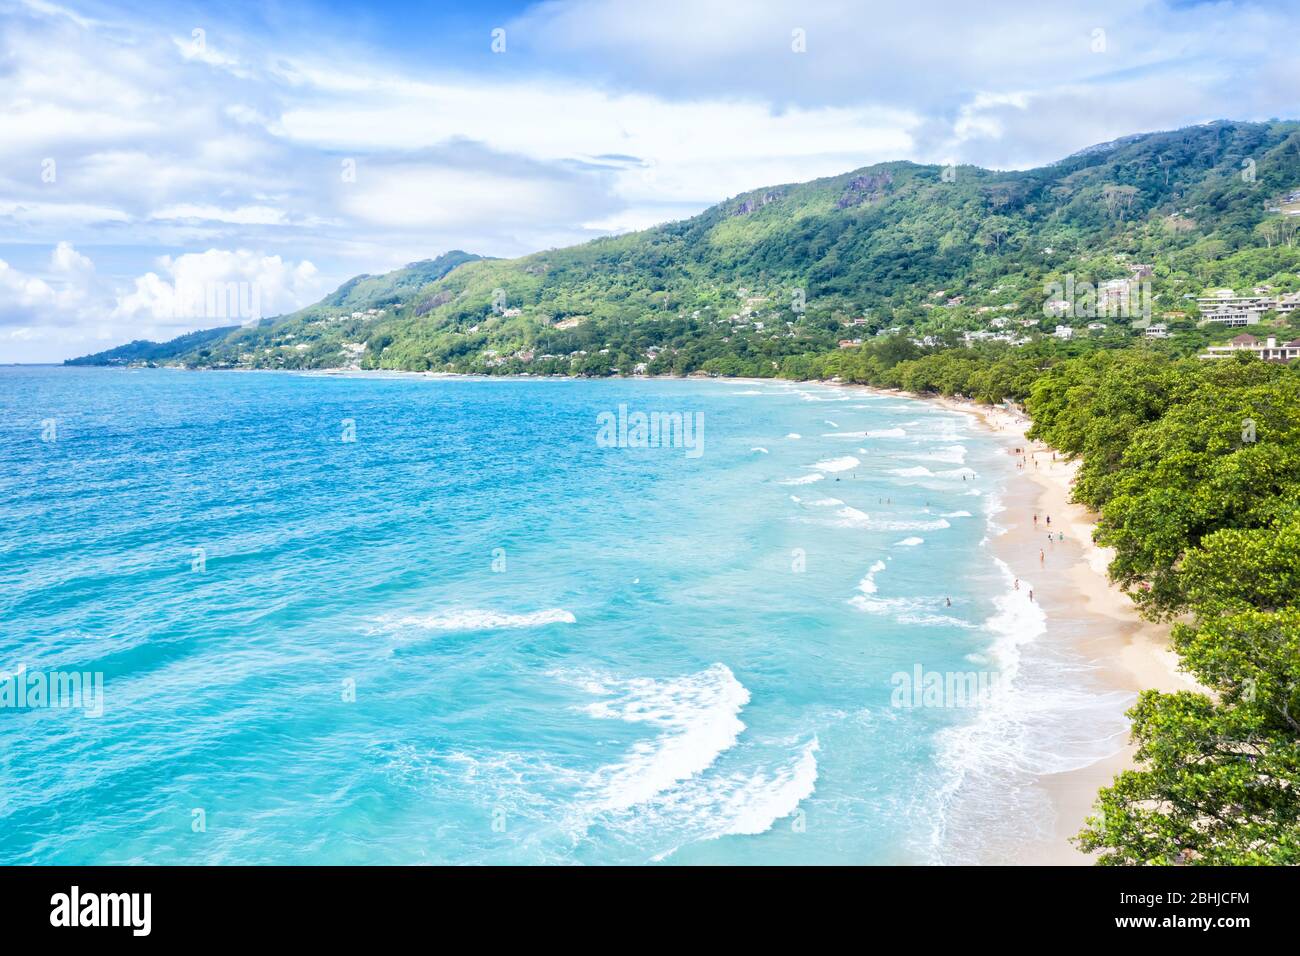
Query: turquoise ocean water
{"points": [[474, 635]]}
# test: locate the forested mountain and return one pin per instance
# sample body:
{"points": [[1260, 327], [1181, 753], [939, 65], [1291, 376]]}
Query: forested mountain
{"points": [[756, 284], [142, 351]]}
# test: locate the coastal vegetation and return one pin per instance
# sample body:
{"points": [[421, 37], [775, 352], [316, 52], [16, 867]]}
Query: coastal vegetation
{"points": [[1194, 468]]}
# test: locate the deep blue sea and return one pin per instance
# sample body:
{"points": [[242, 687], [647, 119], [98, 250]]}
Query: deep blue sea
{"points": [[404, 619]]}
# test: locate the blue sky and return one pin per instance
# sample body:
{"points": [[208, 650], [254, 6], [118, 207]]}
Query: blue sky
{"points": [[149, 147]]}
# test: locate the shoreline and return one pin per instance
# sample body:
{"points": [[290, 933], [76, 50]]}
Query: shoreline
{"points": [[1085, 613]]}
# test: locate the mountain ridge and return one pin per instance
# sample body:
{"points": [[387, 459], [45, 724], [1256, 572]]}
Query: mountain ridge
{"points": [[781, 270]]}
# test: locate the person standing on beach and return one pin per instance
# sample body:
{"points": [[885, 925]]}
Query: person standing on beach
{"points": [[1041, 557]]}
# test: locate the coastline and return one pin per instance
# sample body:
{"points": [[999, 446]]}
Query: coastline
{"points": [[1085, 613], [1084, 610]]}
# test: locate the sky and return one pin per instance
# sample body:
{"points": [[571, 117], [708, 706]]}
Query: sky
{"points": [[149, 150]]}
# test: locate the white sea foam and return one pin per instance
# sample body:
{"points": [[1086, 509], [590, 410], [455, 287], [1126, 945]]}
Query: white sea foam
{"points": [[832, 465], [760, 801], [920, 471], [992, 508], [470, 620], [794, 435], [956, 514], [802, 480], [909, 542], [698, 716], [826, 502], [852, 518], [1041, 718], [903, 524], [877, 433], [811, 397], [868, 583], [746, 803], [761, 451], [948, 455], [921, 611]]}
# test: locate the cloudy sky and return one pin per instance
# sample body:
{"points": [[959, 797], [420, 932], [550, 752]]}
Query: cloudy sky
{"points": [[150, 148]]}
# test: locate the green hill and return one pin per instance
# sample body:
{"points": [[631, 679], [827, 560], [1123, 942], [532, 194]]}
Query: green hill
{"points": [[143, 352], [897, 244]]}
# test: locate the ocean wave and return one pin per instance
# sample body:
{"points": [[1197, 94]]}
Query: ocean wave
{"points": [[832, 465], [875, 433], [671, 786], [956, 514], [948, 455], [761, 451], [810, 397], [801, 480], [794, 435], [744, 804], [892, 524], [868, 583], [908, 610], [920, 471], [700, 718], [472, 620], [909, 542], [852, 518]]}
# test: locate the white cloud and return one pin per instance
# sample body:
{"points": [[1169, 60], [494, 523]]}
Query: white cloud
{"points": [[242, 215], [601, 116], [216, 287], [71, 309]]}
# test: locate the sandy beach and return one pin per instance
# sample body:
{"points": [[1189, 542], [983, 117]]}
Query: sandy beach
{"points": [[1083, 608], [1082, 605]]}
